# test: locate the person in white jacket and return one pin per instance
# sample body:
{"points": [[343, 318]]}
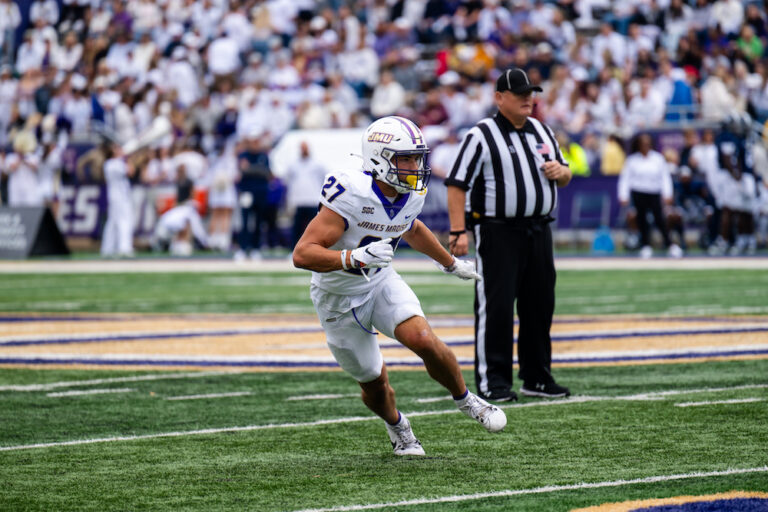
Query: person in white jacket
{"points": [[117, 238], [646, 182]]}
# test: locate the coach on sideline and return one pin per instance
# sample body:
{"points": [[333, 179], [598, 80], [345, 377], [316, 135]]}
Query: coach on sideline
{"points": [[510, 164]]}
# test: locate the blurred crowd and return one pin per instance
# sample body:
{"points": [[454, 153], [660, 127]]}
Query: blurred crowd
{"points": [[234, 76]]}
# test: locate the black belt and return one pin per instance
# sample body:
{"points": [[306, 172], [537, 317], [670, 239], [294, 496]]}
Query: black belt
{"points": [[531, 225]]}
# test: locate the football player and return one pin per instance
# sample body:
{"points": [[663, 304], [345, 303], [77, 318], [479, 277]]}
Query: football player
{"points": [[738, 187], [349, 246]]}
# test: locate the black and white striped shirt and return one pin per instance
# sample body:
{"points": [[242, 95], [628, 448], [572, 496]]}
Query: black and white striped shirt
{"points": [[501, 167]]}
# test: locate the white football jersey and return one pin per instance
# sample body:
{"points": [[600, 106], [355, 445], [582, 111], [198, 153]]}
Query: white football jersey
{"points": [[369, 216]]}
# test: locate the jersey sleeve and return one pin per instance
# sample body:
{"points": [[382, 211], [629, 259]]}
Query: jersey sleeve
{"points": [[340, 193]]}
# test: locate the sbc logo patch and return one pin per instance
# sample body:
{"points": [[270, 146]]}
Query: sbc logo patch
{"points": [[734, 501]]}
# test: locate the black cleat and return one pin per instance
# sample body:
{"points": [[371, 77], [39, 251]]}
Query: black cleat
{"points": [[500, 396], [545, 390]]}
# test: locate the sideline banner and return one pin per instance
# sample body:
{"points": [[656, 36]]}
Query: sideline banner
{"points": [[83, 209], [29, 231]]}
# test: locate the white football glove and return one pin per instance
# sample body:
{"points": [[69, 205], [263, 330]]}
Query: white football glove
{"points": [[463, 269], [374, 255]]}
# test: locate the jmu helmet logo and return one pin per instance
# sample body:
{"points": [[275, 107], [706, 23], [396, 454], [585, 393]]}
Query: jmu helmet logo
{"points": [[384, 138]]}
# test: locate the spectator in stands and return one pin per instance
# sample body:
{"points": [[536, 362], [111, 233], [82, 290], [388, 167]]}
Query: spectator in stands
{"points": [[454, 99], [46, 10], [717, 100], [756, 18], [388, 96], [750, 45], [645, 181], [609, 47], [728, 15], [224, 58], [304, 178], [182, 78], [432, 112], [8, 94], [682, 102], [68, 55], [560, 32], [676, 19], [360, 68], [327, 114], [10, 19], [30, 53], [646, 107]]}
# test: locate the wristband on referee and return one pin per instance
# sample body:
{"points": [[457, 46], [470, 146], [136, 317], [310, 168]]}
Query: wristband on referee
{"points": [[458, 232], [344, 260]]}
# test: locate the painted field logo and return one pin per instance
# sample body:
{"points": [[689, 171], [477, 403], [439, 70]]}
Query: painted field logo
{"points": [[734, 501], [384, 138]]}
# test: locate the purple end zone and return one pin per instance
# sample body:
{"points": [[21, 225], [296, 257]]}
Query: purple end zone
{"points": [[730, 505]]}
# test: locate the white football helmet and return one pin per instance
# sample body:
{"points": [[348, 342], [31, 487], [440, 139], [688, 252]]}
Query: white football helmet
{"points": [[385, 142]]}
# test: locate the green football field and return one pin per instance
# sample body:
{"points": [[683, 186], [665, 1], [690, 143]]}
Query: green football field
{"points": [[75, 439], [582, 292]]}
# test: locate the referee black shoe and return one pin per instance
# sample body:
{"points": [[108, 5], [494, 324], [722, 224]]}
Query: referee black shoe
{"points": [[500, 396], [545, 390]]}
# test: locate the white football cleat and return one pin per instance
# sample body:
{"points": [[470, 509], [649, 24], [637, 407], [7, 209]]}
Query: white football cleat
{"points": [[675, 251], [403, 440], [489, 416]]}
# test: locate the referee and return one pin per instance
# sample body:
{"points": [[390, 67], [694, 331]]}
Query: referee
{"points": [[503, 187]]}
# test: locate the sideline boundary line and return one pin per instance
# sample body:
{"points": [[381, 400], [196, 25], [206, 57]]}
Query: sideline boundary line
{"points": [[354, 419], [540, 490], [84, 392], [210, 395], [721, 402], [112, 380]]}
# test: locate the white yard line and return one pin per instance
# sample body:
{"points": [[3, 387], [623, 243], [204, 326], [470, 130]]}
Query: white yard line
{"points": [[539, 490], [354, 419], [401, 264], [98, 382], [720, 402], [433, 399], [323, 397], [674, 392], [210, 395], [83, 392]]}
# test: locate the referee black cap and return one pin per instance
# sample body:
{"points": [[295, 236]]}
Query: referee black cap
{"points": [[516, 81]]}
